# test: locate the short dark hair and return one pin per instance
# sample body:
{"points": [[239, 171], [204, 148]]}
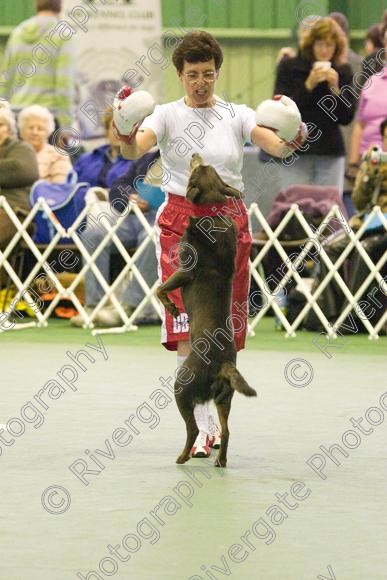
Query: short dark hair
{"points": [[383, 127], [52, 5], [341, 20], [197, 46], [374, 35], [384, 25]]}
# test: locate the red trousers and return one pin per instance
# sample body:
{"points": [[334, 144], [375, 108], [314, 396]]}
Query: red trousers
{"points": [[171, 223]]}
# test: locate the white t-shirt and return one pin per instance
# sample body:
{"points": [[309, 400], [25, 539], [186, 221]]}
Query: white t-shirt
{"points": [[217, 134]]}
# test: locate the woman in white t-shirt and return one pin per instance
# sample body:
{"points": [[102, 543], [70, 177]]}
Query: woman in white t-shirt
{"points": [[217, 130]]}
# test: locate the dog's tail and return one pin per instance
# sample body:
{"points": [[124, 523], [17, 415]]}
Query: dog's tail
{"points": [[229, 373]]}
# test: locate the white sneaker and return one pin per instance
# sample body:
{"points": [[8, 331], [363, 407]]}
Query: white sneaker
{"points": [[77, 320], [201, 447], [215, 435], [107, 316], [214, 430]]}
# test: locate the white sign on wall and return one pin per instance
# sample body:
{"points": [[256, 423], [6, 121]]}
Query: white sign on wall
{"points": [[117, 42]]}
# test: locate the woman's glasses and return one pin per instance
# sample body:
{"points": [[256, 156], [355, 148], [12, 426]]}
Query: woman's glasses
{"points": [[208, 77]]}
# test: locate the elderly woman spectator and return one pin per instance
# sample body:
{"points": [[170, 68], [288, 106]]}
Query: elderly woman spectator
{"points": [[315, 73], [18, 171], [36, 124], [371, 112]]}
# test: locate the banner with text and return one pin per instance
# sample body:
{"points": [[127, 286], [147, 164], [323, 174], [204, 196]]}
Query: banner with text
{"points": [[117, 42]]}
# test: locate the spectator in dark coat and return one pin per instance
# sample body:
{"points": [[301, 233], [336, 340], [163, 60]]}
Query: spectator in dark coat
{"points": [[309, 77], [18, 171]]}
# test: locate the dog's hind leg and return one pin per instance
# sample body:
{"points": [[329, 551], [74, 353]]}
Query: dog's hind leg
{"points": [[223, 412], [192, 431]]}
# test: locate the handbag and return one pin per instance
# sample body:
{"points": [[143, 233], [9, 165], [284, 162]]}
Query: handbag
{"points": [[66, 200]]}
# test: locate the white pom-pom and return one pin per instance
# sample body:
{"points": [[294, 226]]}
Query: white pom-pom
{"points": [[280, 114], [131, 110]]}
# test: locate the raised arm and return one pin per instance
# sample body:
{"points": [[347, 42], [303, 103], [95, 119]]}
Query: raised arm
{"points": [[130, 109], [269, 141], [142, 142]]}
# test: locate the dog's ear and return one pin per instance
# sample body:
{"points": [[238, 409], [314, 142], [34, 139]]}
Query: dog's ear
{"points": [[193, 193], [232, 192]]}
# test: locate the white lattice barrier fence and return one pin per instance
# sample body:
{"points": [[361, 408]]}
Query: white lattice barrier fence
{"points": [[312, 245], [313, 240], [24, 289]]}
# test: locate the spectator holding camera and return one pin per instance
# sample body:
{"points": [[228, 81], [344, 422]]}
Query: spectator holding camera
{"points": [[371, 181], [315, 73], [370, 190]]}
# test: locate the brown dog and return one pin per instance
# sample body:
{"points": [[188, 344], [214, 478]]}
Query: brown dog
{"points": [[206, 291]]}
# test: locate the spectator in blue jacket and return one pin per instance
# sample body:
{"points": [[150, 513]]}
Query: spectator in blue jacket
{"points": [[131, 233], [105, 164]]}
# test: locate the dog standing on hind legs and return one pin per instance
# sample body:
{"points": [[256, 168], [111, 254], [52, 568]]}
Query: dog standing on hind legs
{"points": [[206, 287]]}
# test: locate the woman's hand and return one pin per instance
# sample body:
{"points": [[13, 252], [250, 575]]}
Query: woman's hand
{"points": [[285, 52], [332, 78], [316, 76], [141, 203], [319, 74]]}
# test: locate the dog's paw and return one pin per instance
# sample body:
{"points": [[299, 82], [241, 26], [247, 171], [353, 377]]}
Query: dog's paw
{"points": [[182, 459], [173, 309], [220, 462]]}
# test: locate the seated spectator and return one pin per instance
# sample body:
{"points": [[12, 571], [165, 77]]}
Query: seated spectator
{"points": [[36, 124], [102, 166], [131, 233], [370, 190], [18, 171]]}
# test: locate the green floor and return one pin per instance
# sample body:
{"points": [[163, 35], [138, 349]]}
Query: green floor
{"points": [[177, 523], [266, 338]]}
